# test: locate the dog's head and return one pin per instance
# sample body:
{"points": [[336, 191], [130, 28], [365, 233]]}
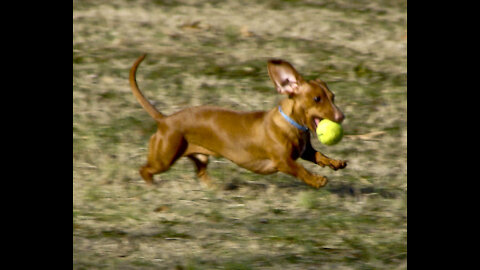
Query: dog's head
{"points": [[313, 101]]}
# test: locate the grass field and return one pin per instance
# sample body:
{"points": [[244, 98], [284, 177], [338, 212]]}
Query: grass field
{"points": [[215, 52]]}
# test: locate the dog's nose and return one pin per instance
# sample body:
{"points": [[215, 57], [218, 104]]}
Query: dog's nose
{"points": [[339, 116]]}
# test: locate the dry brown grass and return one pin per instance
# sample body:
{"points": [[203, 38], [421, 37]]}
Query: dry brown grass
{"points": [[214, 52]]}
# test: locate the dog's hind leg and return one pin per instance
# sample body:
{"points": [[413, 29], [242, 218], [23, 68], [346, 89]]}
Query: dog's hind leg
{"points": [[163, 151], [199, 156], [201, 162]]}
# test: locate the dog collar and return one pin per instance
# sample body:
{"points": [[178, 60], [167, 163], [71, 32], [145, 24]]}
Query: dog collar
{"points": [[291, 121]]}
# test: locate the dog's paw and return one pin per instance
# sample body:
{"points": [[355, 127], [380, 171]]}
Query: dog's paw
{"points": [[318, 181], [337, 164]]}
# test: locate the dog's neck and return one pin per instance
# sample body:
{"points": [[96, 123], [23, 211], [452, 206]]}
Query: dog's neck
{"points": [[288, 108], [291, 121]]}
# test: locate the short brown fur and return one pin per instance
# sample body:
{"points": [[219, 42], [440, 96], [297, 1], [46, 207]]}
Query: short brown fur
{"points": [[261, 141]]}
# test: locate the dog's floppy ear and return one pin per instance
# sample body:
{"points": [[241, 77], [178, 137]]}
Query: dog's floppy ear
{"points": [[284, 76]]}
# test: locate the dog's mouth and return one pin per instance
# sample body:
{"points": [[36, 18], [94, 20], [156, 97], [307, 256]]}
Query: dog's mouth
{"points": [[315, 122]]}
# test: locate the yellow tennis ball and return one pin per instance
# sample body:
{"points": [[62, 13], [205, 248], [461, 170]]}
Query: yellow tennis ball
{"points": [[329, 132]]}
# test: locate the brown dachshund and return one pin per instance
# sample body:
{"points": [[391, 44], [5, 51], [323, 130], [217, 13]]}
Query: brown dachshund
{"points": [[261, 141]]}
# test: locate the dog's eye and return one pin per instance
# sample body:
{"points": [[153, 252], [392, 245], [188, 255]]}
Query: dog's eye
{"points": [[317, 99]]}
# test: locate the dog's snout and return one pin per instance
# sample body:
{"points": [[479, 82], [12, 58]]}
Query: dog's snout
{"points": [[339, 116]]}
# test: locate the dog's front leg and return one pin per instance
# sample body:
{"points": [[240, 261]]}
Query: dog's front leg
{"points": [[289, 166], [312, 155]]}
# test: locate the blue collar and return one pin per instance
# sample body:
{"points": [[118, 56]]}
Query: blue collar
{"points": [[291, 121]]}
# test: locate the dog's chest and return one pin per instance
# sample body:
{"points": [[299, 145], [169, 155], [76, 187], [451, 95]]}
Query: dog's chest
{"points": [[299, 146]]}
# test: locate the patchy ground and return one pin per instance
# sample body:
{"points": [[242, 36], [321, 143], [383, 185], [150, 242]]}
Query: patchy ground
{"points": [[215, 52]]}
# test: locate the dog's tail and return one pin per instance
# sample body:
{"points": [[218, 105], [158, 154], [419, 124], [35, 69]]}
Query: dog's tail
{"points": [[140, 97]]}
